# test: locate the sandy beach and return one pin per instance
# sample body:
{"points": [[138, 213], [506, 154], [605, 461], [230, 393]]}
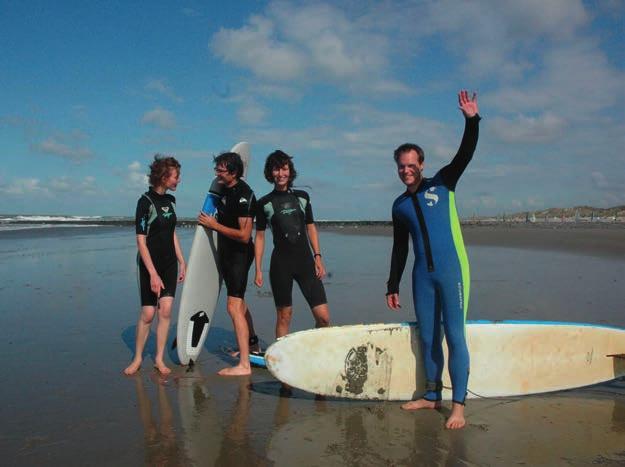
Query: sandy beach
{"points": [[69, 309]]}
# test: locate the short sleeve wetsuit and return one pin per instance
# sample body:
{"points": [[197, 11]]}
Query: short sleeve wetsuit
{"points": [[235, 258], [156, 219], [440, 275], [288, 213]]}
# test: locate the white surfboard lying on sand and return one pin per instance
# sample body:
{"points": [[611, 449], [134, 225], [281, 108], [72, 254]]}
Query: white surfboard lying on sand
{"points": [[201, 287], [383, 361]]}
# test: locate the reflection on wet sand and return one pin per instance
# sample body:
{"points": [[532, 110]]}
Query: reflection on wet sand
{"points": [[548, 430], [161, 446]]}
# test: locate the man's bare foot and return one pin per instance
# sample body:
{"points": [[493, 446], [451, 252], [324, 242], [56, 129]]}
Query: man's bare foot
{"points": [[133, 367], [238, 370], [162, 368], [421, 404], [456, 419]]}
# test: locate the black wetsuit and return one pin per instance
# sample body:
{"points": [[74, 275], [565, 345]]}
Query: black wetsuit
{"points": [[288, 213], [156, 219], [235, 258]]}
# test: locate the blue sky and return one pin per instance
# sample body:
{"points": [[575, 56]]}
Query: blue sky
{"points": [[91, 90]]}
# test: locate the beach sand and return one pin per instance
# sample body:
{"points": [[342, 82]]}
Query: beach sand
{"points": [[68, 315]]}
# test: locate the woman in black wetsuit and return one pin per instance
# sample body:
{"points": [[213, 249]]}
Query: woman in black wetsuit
{"points": [[289, 214], [160, 262]]}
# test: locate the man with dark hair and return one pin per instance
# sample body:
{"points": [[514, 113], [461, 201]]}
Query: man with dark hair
{"points": [[440, 276], [233, 223]]}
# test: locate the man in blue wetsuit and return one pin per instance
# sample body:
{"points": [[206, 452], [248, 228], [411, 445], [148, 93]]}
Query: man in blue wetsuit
{"points": [[440, 276]]}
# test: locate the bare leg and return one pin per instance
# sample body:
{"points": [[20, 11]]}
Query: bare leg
{"points": [[456, 419], [162, 329], [237, 309], [285, 313], [421, 404], [321, 314], [143, 330]]}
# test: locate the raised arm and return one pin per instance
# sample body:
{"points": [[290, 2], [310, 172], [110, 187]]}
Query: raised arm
{"points": [[451, 173]]}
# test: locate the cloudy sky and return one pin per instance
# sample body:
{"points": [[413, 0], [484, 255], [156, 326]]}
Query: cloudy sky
{"points": [[89, 91]]}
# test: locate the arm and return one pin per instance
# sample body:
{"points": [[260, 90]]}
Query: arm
{"points": [[156, 284], [398, 262], [259, 249], [182, 266], [451, 173], [242, 234], [313, 238]]}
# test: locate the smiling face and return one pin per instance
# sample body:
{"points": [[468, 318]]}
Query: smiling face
{"points": [[281, 177], [224, 176], [409, 169]]}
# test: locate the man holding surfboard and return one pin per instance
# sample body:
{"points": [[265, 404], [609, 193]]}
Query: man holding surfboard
{"points": [[440, 276], [233, 224]]}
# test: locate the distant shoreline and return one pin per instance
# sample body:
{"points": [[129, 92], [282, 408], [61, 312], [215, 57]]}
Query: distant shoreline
{"points": [[594, 239]]}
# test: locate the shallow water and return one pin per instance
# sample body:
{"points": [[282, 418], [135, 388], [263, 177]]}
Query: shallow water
{"points": [[69, 304]]}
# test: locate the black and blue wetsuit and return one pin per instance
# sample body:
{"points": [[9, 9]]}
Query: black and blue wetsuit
{"points": [[235, 258], [156, 219], [288, 213], [440, 276]]}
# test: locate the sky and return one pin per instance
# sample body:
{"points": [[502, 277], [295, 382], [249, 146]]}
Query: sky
{"points": [[90, 91]]}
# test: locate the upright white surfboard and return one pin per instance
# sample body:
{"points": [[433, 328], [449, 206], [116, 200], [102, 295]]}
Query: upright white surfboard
{"points": [[201, 287], [383, 361]]}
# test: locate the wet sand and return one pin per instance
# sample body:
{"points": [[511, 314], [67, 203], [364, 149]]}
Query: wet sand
{"points": [[607, 240], [68, 315]]}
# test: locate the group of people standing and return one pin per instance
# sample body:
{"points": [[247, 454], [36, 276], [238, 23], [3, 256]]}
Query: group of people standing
{"points": [[425, 212]]}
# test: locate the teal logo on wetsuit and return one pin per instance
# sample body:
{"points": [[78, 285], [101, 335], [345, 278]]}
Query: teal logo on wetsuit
{"points": [[166, 213], [288, 212]]}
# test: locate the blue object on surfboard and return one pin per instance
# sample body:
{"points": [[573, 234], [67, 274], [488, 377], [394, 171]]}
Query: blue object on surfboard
{"points": [[258, 359], [212, 198]]}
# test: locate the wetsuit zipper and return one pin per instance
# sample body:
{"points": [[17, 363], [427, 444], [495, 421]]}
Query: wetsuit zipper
{"points": [[424, 232]]}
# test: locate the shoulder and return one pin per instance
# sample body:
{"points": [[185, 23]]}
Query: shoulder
{"points": [[265, 199], [244, 189], [400, 199], [144, 200], [301, 194]]}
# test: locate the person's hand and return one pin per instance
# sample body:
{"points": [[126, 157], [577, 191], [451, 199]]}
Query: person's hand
{"points": [[392, 301], [207, 221], [467, 105], [182, 271], [320, 269], [156, 284], [258, 279]]}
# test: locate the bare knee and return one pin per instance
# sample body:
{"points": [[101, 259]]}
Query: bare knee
{"points": [[321, 315], [284, 316], [147, 314]]}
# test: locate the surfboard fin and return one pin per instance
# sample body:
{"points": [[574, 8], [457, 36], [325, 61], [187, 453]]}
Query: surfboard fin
{"points": [[617, 355], [174, 343]]}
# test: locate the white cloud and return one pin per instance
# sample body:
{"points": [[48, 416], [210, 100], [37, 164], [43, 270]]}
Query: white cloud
{"points": [[161, 87], [69, 149], [24, 186], [251, 113], [135, 177], [529, 130], [84, 187], [309, 43], [159, 118]]}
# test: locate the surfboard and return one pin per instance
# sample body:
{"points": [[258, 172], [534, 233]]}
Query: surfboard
{"points": [[202, 283], [508, 358]]}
